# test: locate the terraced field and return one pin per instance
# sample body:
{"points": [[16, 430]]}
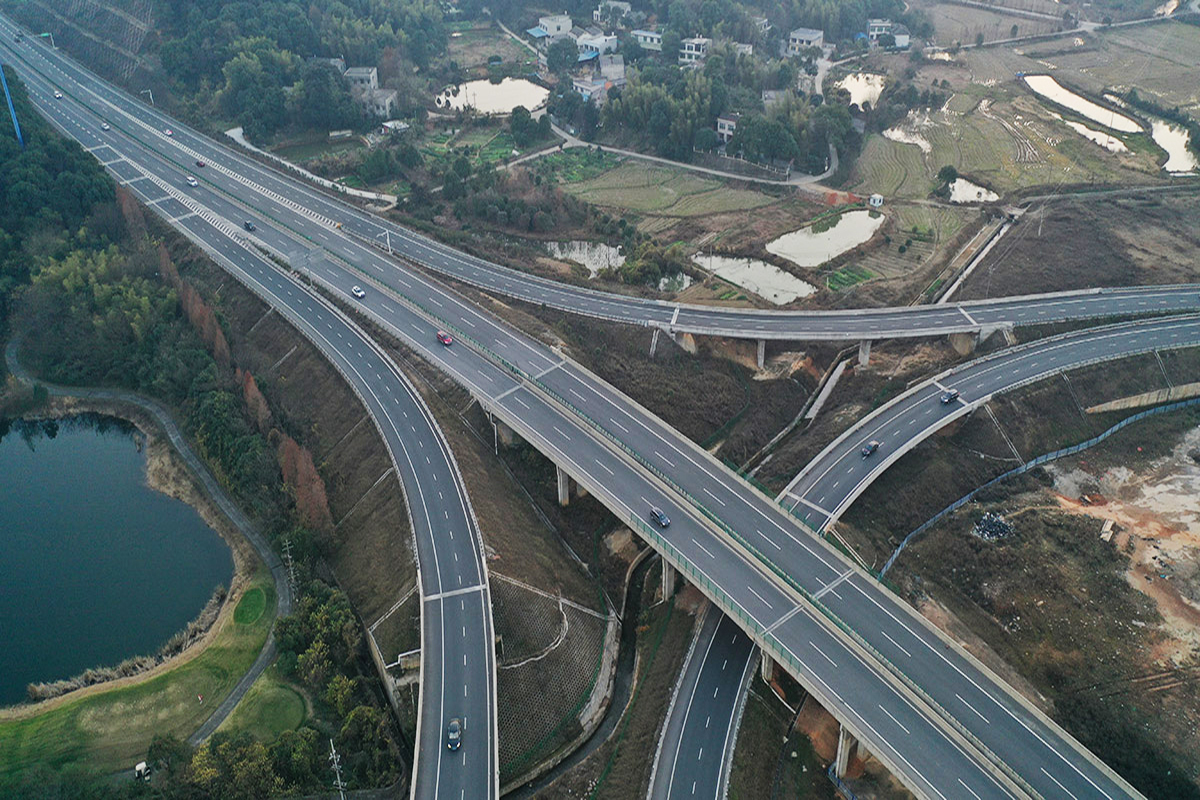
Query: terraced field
{"points": [[1009, 144]]}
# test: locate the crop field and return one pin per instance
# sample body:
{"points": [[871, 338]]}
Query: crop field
{"points": [[1009, 141], [662, 191], [472, 46], [846, 277], [1158, 60], [954, 23]]}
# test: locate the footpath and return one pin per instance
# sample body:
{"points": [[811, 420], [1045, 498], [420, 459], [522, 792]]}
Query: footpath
{"points": [[283, 592]]}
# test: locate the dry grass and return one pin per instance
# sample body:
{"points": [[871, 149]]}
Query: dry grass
{"points": [[635, 186]]}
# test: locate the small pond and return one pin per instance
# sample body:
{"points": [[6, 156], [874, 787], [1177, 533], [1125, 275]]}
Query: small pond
{"points": [[1181, 160], [864, 87], [765, 280], [815, 244], [493, 98], [95, 566], [963, 191], [594, 256], [1048, 87]]}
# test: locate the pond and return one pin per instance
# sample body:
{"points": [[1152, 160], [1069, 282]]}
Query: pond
{"points": [[1106, 140], [813, 245], [594, 256], [1049, 88], [765, 280], [1181, 160], [963, 191], [863, 87], [95, 566], [492, 98]]}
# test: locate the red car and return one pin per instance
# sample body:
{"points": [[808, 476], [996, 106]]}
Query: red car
{"points": [[199, 163], [445, 338]]}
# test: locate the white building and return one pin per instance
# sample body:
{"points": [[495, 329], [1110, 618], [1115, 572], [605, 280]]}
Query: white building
{"points": [[801, 39], [877, 28], [362, 79], [593, 40], [903, 37], [609, 7], [875, 201], [694, 50], [726, 126], [612, 67], [761, 23], [649, 40], [379, 102], [551, 28], [743, 49]]}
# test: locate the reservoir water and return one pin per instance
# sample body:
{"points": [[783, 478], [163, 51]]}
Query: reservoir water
{"points": [[95, 566]]}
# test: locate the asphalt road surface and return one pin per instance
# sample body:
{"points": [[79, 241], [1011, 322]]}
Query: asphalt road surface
{"points": [[697, 742], [908, 733]]}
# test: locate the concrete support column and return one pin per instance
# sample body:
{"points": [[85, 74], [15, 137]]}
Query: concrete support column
{"points": [[864, 352], [766, 667], [845, 751], [964, 343], [564, 486], [762, 352], [668, 578], [654, 341], [686, 341]]}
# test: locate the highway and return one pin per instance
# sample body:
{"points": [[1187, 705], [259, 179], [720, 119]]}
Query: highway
{"points": [[827, 486], [695, 751], [458, 669], [759, 584], [836, 477]]}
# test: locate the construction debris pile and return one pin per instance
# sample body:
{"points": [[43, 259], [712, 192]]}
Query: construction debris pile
{"points": [[992, 527]]}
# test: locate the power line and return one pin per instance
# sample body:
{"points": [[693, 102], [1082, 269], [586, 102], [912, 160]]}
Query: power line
{"points": [[335, 761]]}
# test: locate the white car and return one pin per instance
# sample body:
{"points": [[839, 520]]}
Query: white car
{"points": [[104, 126], [192, 181], [169, 132], [58, 95], [358, 292]]}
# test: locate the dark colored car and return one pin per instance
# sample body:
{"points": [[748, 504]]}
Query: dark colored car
{"points": [[250, 226], [199, 163], [454, 734], [949, 396], [659, 517], [869, 448], [445, 338]]}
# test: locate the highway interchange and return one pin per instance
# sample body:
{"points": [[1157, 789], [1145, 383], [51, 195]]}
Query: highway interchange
{"points": [[917, 742]]}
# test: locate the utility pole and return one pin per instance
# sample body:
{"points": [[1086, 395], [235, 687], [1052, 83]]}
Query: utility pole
{"points": [[335, 761], [291, 565], [388, 234]]}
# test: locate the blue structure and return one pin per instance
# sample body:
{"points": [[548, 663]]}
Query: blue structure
{"points": [[11, 110]]}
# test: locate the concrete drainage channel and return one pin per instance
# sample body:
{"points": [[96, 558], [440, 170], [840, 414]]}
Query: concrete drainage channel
{"points": [[622, 689]]}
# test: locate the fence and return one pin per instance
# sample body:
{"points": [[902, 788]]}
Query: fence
{"points": [[1037, 462], [840, 785]]}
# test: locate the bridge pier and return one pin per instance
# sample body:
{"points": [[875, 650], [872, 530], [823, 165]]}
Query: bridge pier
{"points": [[686, 341], [762, 352], [845, 751], [964, 343], [766, 666], [668, 578], [864, 352], [564, 486]]}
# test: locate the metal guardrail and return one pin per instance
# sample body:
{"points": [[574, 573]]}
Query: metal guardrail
{"points": [[1037, 462]]}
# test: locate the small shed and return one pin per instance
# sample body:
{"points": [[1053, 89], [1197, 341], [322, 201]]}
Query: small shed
{"points": [[875, 201]]}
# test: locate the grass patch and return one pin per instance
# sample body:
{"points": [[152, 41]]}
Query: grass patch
{"points": [[271, 707], [111, 730], [575, 165], [848, 276], [250, 607], [671, 192], [763, 735]]}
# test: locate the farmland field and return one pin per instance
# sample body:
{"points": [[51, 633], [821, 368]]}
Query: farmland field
{"points": [[1005, 144], [660, 191], [954, 23], [472, 46]]}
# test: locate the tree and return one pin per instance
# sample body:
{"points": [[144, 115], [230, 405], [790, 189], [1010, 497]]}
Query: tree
{"points": [[522, 127], [947, 174], [561, 56], [979, 39], [1012, 32], [887, 40]]}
